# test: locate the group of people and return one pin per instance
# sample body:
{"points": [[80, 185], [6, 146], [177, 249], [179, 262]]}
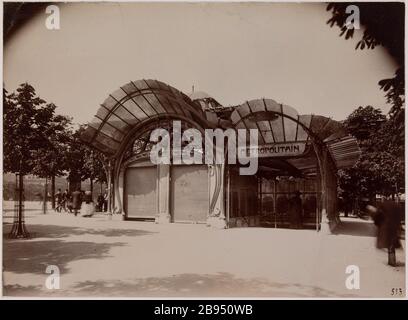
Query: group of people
{"points": [[80, 201]]}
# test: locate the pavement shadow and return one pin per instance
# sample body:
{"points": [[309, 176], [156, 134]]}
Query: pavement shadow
{"points": [[55, 231], [356, 228], [21, 256], [185, 285]]}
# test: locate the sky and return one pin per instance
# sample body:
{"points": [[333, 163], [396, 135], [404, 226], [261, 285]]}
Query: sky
{"points": [[235, 52]]}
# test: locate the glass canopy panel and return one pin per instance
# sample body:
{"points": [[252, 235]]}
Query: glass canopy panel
{"points": [[140, 85], [289, 111], [110, 103], [155, 103], [330, 128], [179, 108], [107, 142], [290, 129], [240, 125], [119, 94], [272, 105], [134, 109], [112, 132], [95, 123], [126, 115], [153, 84], [129, 88], [244, 110], [177, 95], [257, 105], [290, 125], [118, 123], [144, 105], [317, 123], [166, 103], [250, 124], [277, 127], [235, 117], [302, 134], [102, 112], [162, 86], [266, 131], [103, 147]]}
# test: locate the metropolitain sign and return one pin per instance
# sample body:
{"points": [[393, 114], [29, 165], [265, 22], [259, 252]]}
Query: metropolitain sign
{"points": [[284, 149]]}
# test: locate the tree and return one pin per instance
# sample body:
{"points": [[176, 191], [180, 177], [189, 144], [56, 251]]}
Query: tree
{"points": [[384, 26], [364, 123], [23, 120], [83, 162], [379, 170], [49, 161], [22, 124], [95, 166]]}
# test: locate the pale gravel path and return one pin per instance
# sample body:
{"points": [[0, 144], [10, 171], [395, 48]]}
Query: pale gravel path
{"points": [[101, 257]]}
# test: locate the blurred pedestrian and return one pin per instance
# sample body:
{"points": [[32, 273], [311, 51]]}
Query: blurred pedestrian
{"points": [[58, 201], [69, 202], [76, 201], [99, 201], [87, 208], [387, 218], [64, 200], [295, 211], [105, 202]]}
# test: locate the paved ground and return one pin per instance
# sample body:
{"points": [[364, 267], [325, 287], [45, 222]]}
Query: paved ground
{"points": [[101, 257]]}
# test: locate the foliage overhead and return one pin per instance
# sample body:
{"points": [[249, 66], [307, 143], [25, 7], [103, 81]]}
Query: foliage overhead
{"points": [[26, 119], [39, 141], [383, 26], [83, 162], [380, 169]]}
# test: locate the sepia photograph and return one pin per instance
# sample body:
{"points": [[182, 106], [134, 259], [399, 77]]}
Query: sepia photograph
{"points": [[200, 150]]}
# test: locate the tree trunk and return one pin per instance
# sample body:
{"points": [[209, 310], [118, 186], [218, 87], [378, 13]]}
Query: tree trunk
{"points": [[74, 184], [20, 201], [91, 185], [53, 191], [45, 196]]}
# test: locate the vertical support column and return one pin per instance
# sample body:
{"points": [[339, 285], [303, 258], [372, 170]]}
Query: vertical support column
{"points": [[216, 216], [321, 155], [110, 191], [328, 183], [163, 194], [227, 197], [325, 223], [119, 193]]}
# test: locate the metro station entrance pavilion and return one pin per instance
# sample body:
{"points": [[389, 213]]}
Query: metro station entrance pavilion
{"points": [[297, 155]]}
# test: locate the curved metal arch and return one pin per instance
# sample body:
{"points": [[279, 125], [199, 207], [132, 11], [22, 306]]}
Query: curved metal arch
{"points": [[307, 129], [134, 134], [164, 95]]}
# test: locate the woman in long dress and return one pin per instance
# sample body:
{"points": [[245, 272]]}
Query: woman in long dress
{"points": [[87, 209]]}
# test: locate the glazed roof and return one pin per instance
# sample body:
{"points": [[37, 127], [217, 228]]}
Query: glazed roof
{"points": [[136, 102]]}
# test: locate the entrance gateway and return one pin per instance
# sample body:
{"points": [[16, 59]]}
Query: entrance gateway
{"points": [[297, 154]]}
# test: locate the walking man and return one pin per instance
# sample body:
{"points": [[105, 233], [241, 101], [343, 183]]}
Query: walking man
{"points": [[387, 218]]}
